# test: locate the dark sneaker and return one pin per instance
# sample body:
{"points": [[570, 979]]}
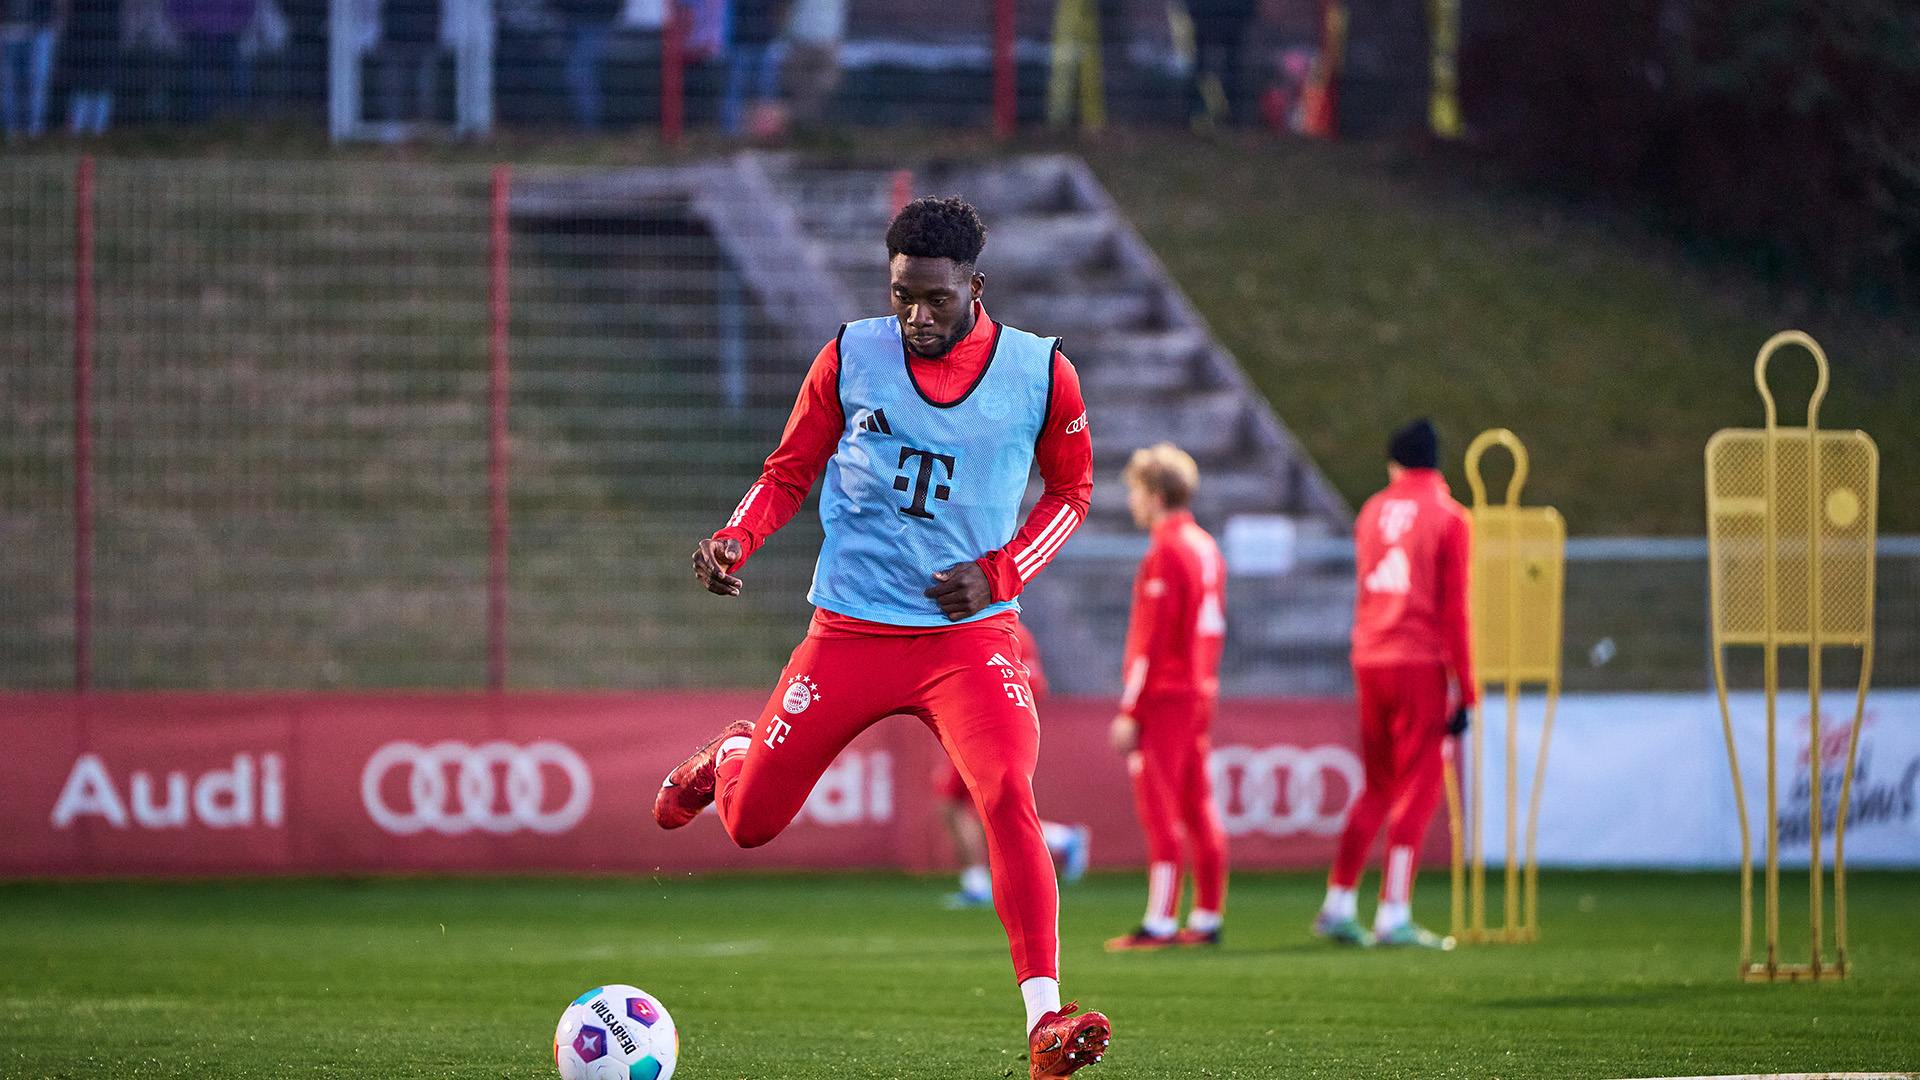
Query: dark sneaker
{"points": [[1140, 939], [1062, 1042], [688, 789]]}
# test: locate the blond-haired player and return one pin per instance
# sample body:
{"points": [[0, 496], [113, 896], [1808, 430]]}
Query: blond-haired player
{"points": [[1174, 638]]}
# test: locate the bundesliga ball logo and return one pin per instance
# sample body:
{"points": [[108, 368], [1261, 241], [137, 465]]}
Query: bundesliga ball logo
{"points": [[616, 1032]]}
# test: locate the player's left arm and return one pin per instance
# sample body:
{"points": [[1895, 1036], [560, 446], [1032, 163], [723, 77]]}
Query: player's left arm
{"points": [[1144, 629], [1456, 566], [1064, 453]]}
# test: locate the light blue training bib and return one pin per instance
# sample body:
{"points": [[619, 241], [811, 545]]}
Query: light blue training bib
{"points": [[916, 487]]}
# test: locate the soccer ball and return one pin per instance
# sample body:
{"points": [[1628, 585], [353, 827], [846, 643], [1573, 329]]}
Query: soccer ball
{"points": [[616, 1032]]}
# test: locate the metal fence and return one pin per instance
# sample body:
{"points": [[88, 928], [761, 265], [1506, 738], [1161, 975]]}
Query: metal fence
{"points": [[398, 67], [291, 440], [291, 437]]}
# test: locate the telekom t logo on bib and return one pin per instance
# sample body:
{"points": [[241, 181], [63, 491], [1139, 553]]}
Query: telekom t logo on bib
{"points": [[923, 479]]}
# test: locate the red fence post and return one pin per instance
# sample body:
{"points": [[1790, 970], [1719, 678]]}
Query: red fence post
{"points": [[902, 191], [83, 426], [1003, 88], [497, 436], [673, 39]]}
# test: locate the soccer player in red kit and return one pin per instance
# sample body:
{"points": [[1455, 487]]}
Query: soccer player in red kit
{"points": [[1171, 666], [925, 426], [1413, 669]]}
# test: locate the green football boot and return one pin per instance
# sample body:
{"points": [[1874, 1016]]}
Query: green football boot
{"points": [[1341, 931], [1412, 935]]}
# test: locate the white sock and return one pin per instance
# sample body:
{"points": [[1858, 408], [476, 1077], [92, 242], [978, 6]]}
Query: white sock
{"points": [[1390, 916], [1042, 996], [976, 881], [1203, 922], [1163, 899], [1057, 836], [736, 744], [1341, 903]]}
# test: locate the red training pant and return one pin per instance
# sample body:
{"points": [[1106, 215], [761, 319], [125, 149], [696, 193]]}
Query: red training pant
{"points": [[1174, 797], [1403, 717], [834, 687]]}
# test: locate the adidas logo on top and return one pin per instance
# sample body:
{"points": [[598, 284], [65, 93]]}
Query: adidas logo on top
{"points": [[877, 423], [996, 660]]}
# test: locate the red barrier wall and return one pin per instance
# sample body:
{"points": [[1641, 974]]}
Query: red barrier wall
{"points": [[165, 783]]}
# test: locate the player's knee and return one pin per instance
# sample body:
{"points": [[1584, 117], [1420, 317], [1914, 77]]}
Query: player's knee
{"points": [[751, 834], [999, 791]]}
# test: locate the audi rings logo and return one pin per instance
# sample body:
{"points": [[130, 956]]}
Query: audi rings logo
{"points": [[474, 798], [1283, 790]]}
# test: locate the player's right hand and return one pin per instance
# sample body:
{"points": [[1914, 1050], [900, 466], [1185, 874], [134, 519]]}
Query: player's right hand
{"points": [[1124, 734], [711, 560]]}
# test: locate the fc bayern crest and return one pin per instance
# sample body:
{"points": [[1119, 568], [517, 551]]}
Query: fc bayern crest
{"points": [[801, 693]]}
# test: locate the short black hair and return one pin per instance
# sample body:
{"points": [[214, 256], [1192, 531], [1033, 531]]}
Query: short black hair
{"points": [[930, 228], [1416, 446]]}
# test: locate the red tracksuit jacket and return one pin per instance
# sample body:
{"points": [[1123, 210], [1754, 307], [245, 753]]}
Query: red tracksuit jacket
{"points": [[1412, 552], [1178, 624]]}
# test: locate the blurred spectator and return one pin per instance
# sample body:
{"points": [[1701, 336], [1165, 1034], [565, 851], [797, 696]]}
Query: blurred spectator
{"points": [[149, 47], [217, 74], [706, 28], [812, 68], [589, 26], [1219, 37], [28, 31], [409, 52], [91, 57], [1076, 59], [753, 55]]}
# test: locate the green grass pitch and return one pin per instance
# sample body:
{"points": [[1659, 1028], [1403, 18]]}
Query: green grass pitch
{"points": [[866, 975]]}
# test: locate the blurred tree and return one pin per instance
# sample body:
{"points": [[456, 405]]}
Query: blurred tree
{"points": [[1788, 130]]}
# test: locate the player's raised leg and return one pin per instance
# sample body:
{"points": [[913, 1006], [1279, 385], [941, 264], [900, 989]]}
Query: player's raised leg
{"points": [[761, 773]]}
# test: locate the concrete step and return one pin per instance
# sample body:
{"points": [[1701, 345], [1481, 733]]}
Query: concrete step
{"points": [[1127, 366], [1042, 248], [1209, 424], [1071, 314]]}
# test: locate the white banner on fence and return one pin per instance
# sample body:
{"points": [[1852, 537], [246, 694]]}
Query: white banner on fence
{"points": [[1642, 779]]}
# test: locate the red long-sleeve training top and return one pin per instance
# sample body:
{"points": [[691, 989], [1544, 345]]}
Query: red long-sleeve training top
{"points": [[1178, 625], [1064, 454], [1412, 548]]}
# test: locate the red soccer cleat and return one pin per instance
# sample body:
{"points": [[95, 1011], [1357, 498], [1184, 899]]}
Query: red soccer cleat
{"points": [[688, 789], [1197, 937], [1062, 1042]]}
